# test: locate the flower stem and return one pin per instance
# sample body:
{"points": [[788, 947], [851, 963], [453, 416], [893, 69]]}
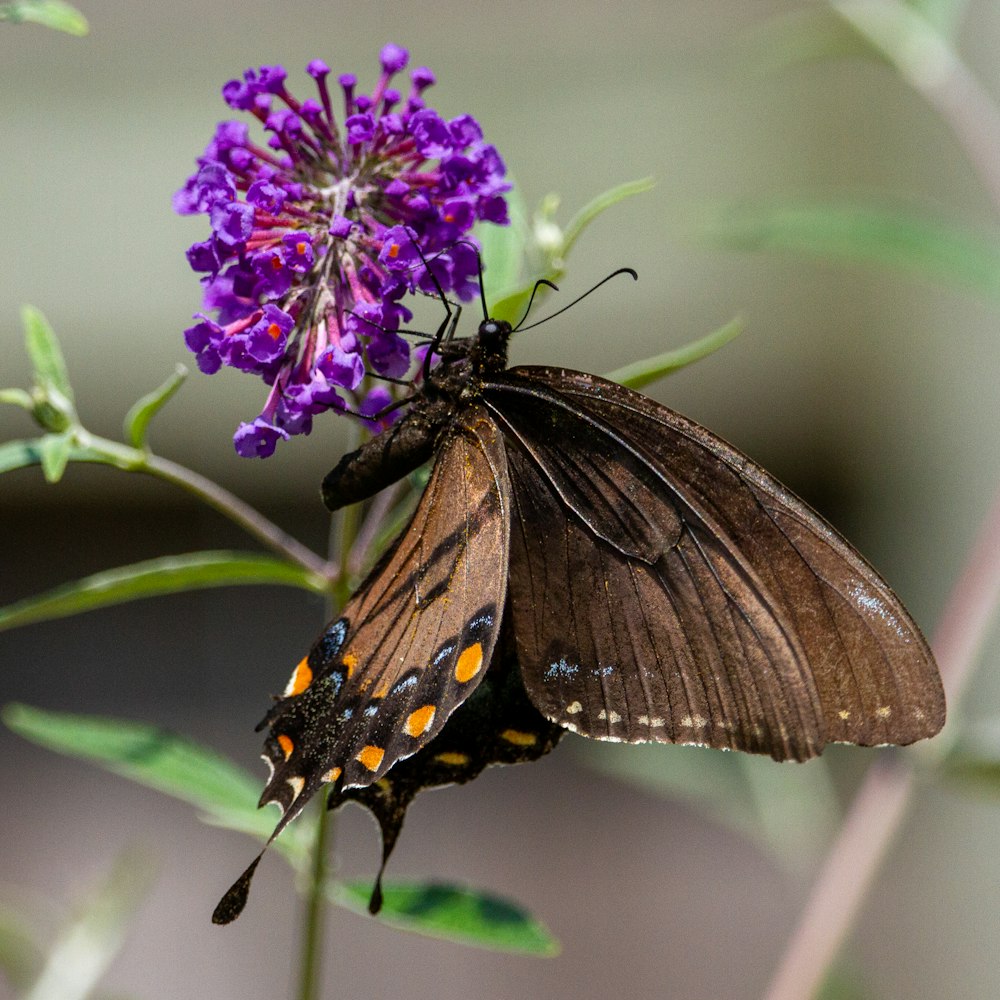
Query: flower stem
{"points": [[315, 912], [241, 513], [343, 535], [228, 504]]}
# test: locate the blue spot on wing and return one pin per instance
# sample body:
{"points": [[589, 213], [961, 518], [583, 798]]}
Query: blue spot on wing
{"points": [[443, 654], [562, 669]]}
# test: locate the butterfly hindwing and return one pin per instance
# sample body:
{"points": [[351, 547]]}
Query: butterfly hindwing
{"points": [[496, 724], [757, 628], [414, 641]]}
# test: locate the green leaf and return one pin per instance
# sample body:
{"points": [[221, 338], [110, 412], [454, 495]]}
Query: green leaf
{"points": [[977, 772], [49, 13], [20, 955], [22, 454], [55, 450], [548, 247], [862, 233], [45, 353], [597, 206], [800, 38], [156, 577], [943, 15], [17, 397], [642, 373], [81, 953], [511, 307], [454, 913], [162, 760], [142, 412], [504, 248], [845, 982]]}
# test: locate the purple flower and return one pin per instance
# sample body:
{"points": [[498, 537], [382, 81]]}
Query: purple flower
{"points": [[318, 231]]}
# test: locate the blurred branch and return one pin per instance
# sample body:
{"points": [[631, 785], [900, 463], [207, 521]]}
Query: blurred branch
{"points": [[933, 68], [882, 802], [929, 64]]}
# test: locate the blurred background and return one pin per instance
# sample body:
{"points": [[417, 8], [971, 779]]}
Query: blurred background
{"points": [[870, 391]]}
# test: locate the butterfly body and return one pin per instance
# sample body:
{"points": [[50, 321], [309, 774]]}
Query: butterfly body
{"points": [[600, 564]]}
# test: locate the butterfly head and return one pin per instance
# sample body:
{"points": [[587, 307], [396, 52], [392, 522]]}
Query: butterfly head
{"points": [[489, 351]]}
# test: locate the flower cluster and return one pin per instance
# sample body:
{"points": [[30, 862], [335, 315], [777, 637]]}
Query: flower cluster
{"points": [[317, 237]]}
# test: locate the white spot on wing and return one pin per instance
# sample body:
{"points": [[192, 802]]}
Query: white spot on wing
{"points": [[873, 605], [572, 708], [296, 784]]}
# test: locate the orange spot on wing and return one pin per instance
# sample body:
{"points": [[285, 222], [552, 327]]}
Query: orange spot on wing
{"points": [[350, 660], [518, 738], [332, 775], [287, 746], [301, 678], [371, 757], [453, 759], [418, 722], [470, 662]]}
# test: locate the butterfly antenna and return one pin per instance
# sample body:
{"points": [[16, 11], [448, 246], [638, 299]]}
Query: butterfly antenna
{"points": [[614, 274], [541, 281]]}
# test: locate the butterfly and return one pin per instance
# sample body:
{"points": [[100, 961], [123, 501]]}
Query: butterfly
{"points": [[582, 559]]}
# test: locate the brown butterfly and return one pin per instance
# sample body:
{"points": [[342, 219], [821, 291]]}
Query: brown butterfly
{"points": [[581, 559]]}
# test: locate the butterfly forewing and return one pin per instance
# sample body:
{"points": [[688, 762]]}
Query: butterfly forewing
{"points": [[414, 641], [860, 652], [684, 649]]}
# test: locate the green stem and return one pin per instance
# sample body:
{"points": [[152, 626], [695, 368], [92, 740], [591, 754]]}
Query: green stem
{"points": [[343, 534], [247, 517], [309, 977], [228, 504]]}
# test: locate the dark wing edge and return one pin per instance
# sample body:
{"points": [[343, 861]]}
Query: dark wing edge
{"points": [[874, 672]]}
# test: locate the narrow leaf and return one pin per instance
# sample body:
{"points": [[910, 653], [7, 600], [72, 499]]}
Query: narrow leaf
{"points": [[465, 916], [55, 450], [45, 353], [142, 412], [162, 760], [802, 37], [944, 15], [975, 772], [49, 13], [17, 397], [601, 204], [863, 233], [20, 955], [503, 248], [81, 953], [642, 373], [156, 577]]}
